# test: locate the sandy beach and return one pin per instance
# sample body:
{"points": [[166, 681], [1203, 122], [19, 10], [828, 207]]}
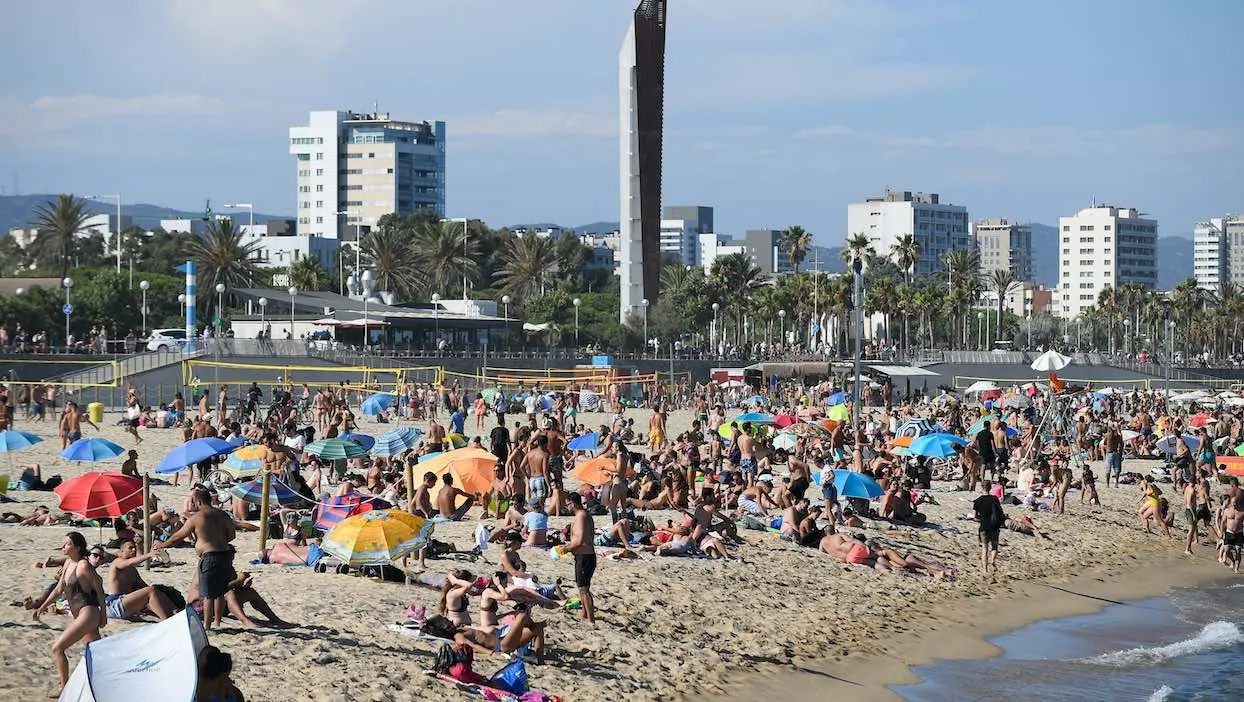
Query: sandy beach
{"points": [[669, 627]]}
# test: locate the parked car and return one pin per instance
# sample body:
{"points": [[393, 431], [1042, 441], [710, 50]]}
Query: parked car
{"points": [[166, 339]]}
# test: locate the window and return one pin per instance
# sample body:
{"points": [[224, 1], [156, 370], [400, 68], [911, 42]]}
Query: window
{"points": [[1086, 227], [304, 188], [306, 205], [1086, 252], [1086, 263], [319, 157], [1106, 228], [1106, 239], [319, 220], [1086, 286], [1066, 228], [1066, 240], [305, 173], [1106, 252], [319, 188], [319, 171], [319, 203], [1066, 274], [1066, 251]]}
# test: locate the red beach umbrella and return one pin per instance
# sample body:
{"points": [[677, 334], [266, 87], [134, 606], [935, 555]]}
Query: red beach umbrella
{"points": [[95, 495], [784, 420]]}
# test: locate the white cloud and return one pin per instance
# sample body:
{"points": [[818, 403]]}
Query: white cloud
{"points": [[522, 123], [55, 115]]}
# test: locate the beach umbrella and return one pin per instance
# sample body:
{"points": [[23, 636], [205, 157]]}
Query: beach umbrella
{"points": [[245, 461], [393, 443], [918, 426], [456, 440], [838, 398], [587, 442], [902, 441], [333, 510], [93, 449], [839, 413], [252, 492], [236, 441], [588, 399], [192, 452], [755, 418], [811, 430], [755, 400], [1167, 443], [1128, 434], [377, 537], [95, 495], [376, 404], [734, 384], [1234, 401], [828, 424], [334, 449], [980, 386], [758, 430], [12, 440], [367, 442], [784, 441], [980, 424], [783, 420], [1050, 361], [1200, 420], [596, 471], [935, 445], [857, 485], [472, 469]]}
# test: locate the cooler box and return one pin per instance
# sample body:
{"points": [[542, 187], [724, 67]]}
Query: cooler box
{"points": [[95, 411]]}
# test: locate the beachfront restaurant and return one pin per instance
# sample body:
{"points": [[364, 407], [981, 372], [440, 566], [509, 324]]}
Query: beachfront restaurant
{"points": [[351, 321]]}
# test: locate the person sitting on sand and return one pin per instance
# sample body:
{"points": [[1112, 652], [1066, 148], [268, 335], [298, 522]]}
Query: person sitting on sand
{"points": [[897, 506], [755, 500], [1151, 506], [626, 532], [126, 595], [446, 501], [521, 632], [241, 592], [455, 597], [536, 525], [214, 683], [799, 523]]}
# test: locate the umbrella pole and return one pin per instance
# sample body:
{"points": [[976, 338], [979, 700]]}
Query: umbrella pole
{"points": [[410, 487], [263, 513], [147, 518]]}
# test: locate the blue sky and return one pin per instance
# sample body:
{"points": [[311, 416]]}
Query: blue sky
{"points": [[777, 112]]}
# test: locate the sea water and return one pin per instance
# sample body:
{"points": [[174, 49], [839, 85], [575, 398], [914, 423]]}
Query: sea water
{"points": [[1188, 645]]}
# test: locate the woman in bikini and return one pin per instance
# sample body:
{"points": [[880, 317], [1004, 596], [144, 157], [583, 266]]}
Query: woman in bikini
{"points": [[84, 590], [455, 597]]}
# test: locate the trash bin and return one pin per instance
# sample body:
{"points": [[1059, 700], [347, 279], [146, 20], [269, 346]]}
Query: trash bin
{"points": [[95, 411]]}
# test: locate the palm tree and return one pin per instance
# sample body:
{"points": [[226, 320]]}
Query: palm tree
{"points": [[529, 266], [1109, 308], [735, 279], [857, 246], [906, 251], [222, 255], [795, 241], [445, 256], [59, 224], [306, 273], [964, 287], [390, 251], [1003, 282]]}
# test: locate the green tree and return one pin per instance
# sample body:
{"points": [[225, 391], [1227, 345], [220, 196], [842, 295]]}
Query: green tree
{"points": [[446, 257], [307, 274], [735, 279], [222, 255], [529, 266], [60, 223], [795, 241], [1003, 282], [389, 249]]}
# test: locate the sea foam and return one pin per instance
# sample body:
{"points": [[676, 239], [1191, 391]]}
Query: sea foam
{"points": [[1213, 636], [1160, 694]]}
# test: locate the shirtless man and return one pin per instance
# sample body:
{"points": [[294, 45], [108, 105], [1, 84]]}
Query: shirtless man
{"points": [[799, 523], [273, 456], [583, 547], [1233, 531], [747, 454], [436, 436], [126, 595], [755, 500], [447, 500], [557, 464], [1001, 443], [71, 424], [537, 460], [130, 465], [656, 430], [222, 405], [213, 531]]}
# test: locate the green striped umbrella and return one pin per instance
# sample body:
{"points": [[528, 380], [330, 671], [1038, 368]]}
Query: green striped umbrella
{"points": [[334, 449]]}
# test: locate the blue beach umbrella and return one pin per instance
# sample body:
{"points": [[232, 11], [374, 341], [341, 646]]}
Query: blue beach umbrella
{"points": [[755, 418], [755, 400], [12, 440], [245, 461], [852, 484], [367, 442], [192, 452], [334, 449], [252, 492], [838, 398], [587, 442], [395, 441], [935, 445], [93, 449], [376, 404]]}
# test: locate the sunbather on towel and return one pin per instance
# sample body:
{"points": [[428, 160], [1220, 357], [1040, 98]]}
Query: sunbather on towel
{"points": [[521, 632]]}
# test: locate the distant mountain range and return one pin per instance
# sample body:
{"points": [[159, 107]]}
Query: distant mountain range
{"points": [[1174, 257], [19, 211]]}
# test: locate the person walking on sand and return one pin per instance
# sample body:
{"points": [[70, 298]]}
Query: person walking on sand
{"points": [[583, 546], [71, 424], [1112, 448], [213, 531], [81, 586], [988, 510]]}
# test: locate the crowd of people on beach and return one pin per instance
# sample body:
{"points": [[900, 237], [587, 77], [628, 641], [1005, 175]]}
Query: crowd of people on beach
{"points": [[695, 494]]}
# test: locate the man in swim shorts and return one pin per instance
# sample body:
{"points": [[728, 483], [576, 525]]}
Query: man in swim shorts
{"points": [[581, 545], [214, 531]]}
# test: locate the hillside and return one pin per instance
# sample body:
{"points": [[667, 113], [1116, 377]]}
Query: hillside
{"points": [[19, 211]]}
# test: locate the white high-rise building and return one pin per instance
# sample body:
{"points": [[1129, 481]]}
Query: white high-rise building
{"points": [[937, 226], [1003, 244], [1103, 246], [681, 227], [355, 168], [1209, 253]]}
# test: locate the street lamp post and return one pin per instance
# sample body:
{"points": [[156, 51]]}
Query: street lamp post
{"points": [[293, 293], [436, 314], [712, 336], [181, 300], [1127, 329], [505, 301], [857, 268], [67, 283], [781, 328], [980, 330], [220, 305], [1030, 329], [368, 280], [263, 307], [144, 286], [1170, 357], [576, 302], [250, 229], [644, 304]]}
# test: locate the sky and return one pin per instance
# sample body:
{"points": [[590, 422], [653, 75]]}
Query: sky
{"points": [[777, 113]]}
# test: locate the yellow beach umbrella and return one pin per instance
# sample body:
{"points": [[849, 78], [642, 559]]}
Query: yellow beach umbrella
{"points": [[245, 462], [377, 537], [839, 413], [456, 440]]}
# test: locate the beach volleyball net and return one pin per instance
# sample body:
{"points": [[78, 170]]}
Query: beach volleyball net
{"points": [[62, 373], [198, 373]]}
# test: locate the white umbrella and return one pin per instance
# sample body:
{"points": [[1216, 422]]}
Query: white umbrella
{"points": [[980, 386], [1234, 402], [1194, 396], [1129, 434], [734, 384], [1108, 390], [1050, 361], [1167, 444]]}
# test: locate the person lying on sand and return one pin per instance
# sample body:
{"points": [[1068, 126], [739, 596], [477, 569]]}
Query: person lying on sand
{"points": [[42, 516], [909, 562], [241, 592], [1025, 525], [522, 631]]}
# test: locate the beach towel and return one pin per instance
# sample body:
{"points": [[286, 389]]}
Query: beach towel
{"points": [[494, 694]]}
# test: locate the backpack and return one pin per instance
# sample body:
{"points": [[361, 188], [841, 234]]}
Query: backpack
{"points": [[451, 655]]}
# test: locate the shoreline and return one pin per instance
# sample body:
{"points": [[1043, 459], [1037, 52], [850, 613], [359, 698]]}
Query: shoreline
{"points": [[961, 629]]}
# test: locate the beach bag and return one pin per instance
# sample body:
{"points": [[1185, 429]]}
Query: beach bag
{"points": [[511, 678], [455, 661]]}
